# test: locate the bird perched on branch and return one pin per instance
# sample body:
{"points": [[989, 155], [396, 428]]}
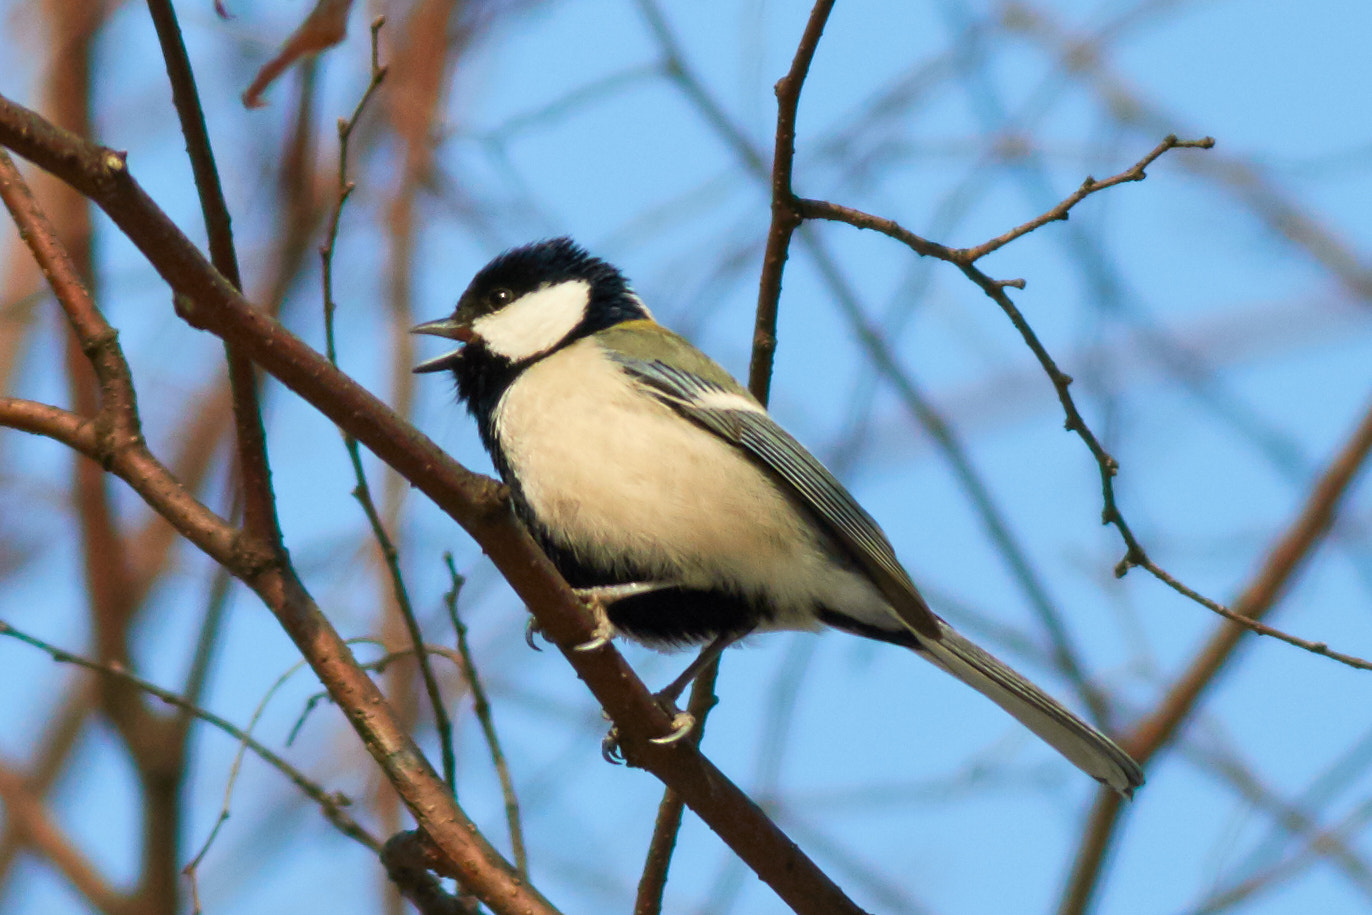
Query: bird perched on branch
{"points": [[663, 491]]}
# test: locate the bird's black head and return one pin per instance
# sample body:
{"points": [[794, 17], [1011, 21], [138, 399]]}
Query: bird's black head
{"points": [[531, 301], [526, 304]]}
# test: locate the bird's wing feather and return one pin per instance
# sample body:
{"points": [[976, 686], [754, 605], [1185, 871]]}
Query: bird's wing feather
{"points": [[699, 399], [695, 398]]}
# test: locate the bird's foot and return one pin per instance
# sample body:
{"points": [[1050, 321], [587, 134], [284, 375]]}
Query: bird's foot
{"points": [[682, 725], [598, 598], [604, 631]]}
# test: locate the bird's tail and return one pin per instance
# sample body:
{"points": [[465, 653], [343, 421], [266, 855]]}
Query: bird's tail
{"points": [[1088, 749]]}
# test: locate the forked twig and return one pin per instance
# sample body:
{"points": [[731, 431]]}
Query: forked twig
{"points": [[362, 490]]}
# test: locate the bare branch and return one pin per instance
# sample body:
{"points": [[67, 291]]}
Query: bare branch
{"points": [[481, 705], [330, 804], [477, 503], [1283, 560], [785, 215]]}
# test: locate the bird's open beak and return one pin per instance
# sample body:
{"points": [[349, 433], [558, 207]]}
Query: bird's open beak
{"points": [[450, 329]]}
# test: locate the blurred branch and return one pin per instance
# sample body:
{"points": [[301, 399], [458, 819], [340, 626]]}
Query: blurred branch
{"points": [[330, 804], [26, 814], [207, 301], [63, 727], [1319, 845], [325, 26], [1284, 559], [1296, 818]]}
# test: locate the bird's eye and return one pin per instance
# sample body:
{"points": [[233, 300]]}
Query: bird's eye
{"points": [[499, 298]]}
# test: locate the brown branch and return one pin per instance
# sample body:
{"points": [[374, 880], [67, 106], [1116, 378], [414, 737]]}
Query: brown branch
{"points": [[786, 217], [481, 707], [653, 880], [400, 760], [24, 809], [1088, 187], [329, 803], [1287, 555], [259, 504], [480, 505]]}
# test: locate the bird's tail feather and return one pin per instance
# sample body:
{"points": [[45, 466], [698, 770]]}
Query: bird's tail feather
{"points": [[1084, 746]]}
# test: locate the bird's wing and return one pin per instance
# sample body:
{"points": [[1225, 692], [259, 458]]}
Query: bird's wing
{"points": [[732, 415], [719, 405]]}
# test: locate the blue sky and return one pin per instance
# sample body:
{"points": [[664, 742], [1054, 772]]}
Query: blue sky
{"points": [[916, 794]]}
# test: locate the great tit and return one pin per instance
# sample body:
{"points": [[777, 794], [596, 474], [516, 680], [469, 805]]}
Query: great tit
{"points": [[658, 484]]}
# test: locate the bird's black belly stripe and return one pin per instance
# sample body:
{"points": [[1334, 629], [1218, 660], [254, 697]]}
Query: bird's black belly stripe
{"points": [[666, 617], [678, 616]]}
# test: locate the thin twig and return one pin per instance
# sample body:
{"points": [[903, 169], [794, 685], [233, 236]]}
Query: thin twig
{"points": [[476, 502], [1135, 555], [362, 490], [482, 707], [377, 666], [1286, 556], [330, 803], [243, 745], [1088, 187], [653, 880]]}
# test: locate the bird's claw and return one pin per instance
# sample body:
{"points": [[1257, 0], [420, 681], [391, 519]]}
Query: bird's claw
{"points": [[609, 747], [682, 724], [601, 637], [532, 631], [595, 599]]}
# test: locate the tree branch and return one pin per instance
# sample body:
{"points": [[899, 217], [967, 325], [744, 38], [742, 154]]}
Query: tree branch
{"points": [[1286, 557], [206, 300]]}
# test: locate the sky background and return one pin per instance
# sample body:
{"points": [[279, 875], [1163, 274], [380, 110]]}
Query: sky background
{"points": [[1219, 355]]}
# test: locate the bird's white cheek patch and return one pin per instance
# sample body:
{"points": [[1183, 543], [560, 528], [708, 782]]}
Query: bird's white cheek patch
{"points": [[536, 322]]}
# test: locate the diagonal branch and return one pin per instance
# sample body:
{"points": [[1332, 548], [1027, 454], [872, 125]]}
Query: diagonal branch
{"points": [[1283, 561], [206, 300]]}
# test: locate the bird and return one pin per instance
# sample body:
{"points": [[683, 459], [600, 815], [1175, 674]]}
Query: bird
{"points": [[665, 493]]}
